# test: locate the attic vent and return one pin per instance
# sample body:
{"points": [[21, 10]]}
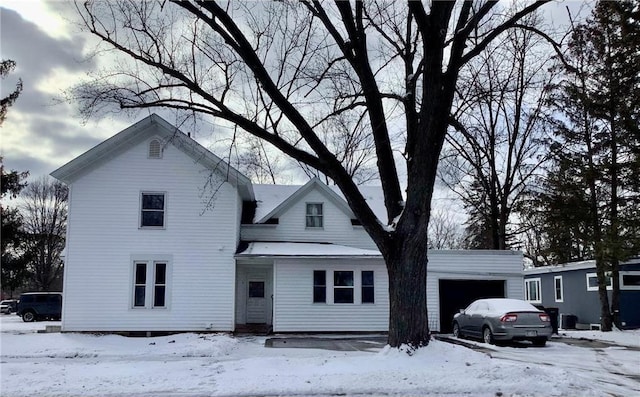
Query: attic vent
{"points": [[155, 149]]}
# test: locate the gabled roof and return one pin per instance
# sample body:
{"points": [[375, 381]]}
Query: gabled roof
{"points": [[152, 125], [314, 183], [273, 200]]}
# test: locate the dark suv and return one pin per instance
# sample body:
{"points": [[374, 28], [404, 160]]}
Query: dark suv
{"points": [[35, 306]]}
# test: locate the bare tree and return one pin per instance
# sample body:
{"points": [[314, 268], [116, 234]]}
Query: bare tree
{"points": [[496, 146], [44, 225], [282, 70], [353, 146], [444, 231], [259, 163]]}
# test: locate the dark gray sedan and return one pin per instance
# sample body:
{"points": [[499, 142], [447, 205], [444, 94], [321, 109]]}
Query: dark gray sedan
{"points": [[501, 319]]}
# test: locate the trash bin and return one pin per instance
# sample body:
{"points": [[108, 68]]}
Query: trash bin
{"points": [[569, 321], [553, 313]]}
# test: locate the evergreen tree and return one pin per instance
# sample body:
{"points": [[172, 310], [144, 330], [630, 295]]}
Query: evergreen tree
{"points": [[597, 140], [14, 261]]}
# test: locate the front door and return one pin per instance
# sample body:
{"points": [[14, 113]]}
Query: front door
{"points": [[256, 300]]}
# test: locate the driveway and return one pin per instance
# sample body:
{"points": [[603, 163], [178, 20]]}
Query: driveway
{"points": [[615, 367]]}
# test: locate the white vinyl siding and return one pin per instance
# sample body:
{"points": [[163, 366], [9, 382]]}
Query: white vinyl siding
{"points": [[201, 241], [336, 226], [294, 309]]}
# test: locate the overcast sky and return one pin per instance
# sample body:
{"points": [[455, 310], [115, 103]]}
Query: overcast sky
{"points": [[41, 133]]}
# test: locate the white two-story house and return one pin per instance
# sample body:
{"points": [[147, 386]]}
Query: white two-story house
{"points": [[165, 236]]}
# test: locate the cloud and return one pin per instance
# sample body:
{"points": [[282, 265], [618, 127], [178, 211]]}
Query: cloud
{"points": [[41, 133]]}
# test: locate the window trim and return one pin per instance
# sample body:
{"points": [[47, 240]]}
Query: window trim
{"points": [[308, 215], [164, 210], [537, 281], [555, 289], [595, 275], [628, 273], [150, 263]]}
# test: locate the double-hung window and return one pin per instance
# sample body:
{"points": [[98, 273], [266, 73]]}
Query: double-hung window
{"points": [[150, 284], [343, 287], [558, 288], [532, 290], [314, 215], [152, 210]]}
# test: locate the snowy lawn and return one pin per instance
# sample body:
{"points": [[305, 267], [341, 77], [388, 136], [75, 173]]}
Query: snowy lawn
{"points": [[34, 364]]}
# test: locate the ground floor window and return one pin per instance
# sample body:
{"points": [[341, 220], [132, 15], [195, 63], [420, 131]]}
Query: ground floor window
{"points": [[368, 295], [319, 286], [630, 280], [532, 290], [343, 286], [150, 283], [559, 293], [592, 281]]}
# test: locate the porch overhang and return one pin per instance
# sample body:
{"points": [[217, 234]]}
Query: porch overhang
{"points": [[303, 250]]}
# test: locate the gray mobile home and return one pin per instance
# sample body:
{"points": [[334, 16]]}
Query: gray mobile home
{"points": [[572, 288]]}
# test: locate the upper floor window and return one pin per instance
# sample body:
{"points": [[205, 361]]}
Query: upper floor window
{"points": [[152, 212], [155, 149], [532, 290], [314, 215]]}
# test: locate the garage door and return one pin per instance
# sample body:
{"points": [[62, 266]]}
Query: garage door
{"points": [[458, 294]]}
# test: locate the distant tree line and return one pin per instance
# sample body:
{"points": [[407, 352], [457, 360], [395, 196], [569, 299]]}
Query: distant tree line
{"points": [[33, 232], [34, 218]]}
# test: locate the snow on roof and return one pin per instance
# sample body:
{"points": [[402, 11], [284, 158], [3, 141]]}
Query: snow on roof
{"points": [[268, 197], [304, 249], [580, 265]]}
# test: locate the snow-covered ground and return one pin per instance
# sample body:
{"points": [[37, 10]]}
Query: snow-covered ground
{"points": [[38, 364]]}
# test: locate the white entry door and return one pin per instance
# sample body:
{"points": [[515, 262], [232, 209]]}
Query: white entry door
{"points": [[256, 299]]}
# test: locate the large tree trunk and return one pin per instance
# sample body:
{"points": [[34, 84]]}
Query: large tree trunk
{"points": [[407, 268]]}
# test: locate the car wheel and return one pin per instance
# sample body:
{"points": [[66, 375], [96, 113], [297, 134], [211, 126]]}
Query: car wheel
{"points": [[456, 331], [487, 335], [28, 317], [540, 342]]}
